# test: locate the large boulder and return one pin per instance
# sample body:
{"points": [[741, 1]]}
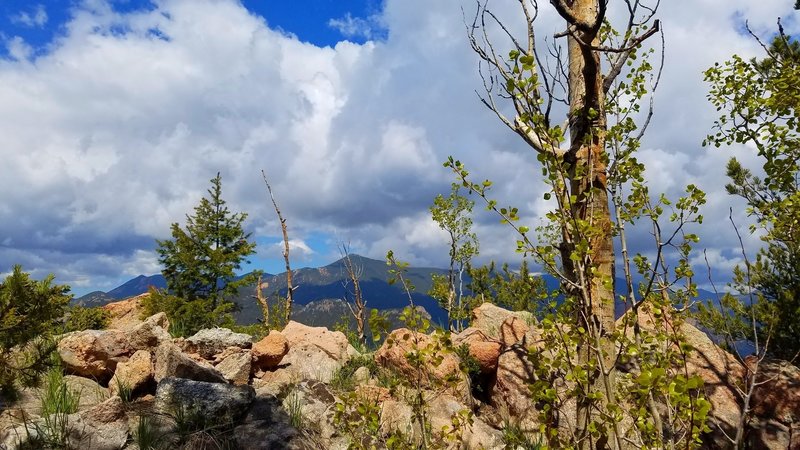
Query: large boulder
{"points": [[28, 407], [392, 355], [775, 422], [125, 314], [721, 373], [482, 347], [269, 351], [236, 366], [210, 341], [510, 391], [135, 374], [94, 353], [446, 411], [509, 327], [103, 427], [315, 353], [171, 362], [313, 403], [223, 403], [149, 334], [268, 426]]}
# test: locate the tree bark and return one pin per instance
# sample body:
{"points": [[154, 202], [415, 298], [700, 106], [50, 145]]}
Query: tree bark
{"points": [[289, 285], [588, 186]]}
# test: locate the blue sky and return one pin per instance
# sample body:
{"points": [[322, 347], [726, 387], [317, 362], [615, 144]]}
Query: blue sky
{"points": [[309, 20], [114, 116]]}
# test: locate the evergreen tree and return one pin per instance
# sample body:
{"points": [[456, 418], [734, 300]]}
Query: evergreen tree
{"points": [[201, 260], [29, 312]]}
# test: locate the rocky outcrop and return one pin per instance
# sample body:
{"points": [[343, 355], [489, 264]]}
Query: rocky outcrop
{"points": [[509, 327], [134, 374], [211, 341], [775, 422], [269, 351], [236, 366], [510, 390], [392, 355], [315, 353], [171, 362], [103, 427], [222, 403], [482, 347], [125, 314], [477, 435], [261, 392], [93, 353], [313, 401], [150, 333], [96, 353]]}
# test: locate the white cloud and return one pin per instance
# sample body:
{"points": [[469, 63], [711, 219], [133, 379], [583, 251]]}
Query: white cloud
{"points": [[35, 17], [108, 137], [18, 49], [357, 27]]}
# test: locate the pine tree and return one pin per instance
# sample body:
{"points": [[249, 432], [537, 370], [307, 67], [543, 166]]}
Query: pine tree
{"points": [[29, 312], [201, 260]]}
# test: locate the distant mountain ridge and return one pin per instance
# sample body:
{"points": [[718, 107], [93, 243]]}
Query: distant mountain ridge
{"points": [[327, 283], [130, 288]]}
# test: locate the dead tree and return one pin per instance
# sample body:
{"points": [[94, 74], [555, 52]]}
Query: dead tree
{"points": [[261, 299], [289, 287], [358, 307]]}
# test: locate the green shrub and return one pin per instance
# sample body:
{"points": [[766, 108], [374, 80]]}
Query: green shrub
{"points": [[81, 318], [186, 317], [515, 438], [57, 403], [343, 379], [30, 311]]}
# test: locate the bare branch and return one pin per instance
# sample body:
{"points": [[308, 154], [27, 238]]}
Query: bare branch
{"points": [[289, 288], [625, 53]]}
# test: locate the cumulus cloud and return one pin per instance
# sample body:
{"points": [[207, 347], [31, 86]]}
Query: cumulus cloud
{"points": [[357, 27], [18, 49], [35, 17], [112, 133]]}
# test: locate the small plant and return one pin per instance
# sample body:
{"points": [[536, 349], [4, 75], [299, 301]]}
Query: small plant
{"points": [[124, 391], [344, 326], [57, 402], [359, 418], [469, 366], [148, 434], [343, 379], [56, 397], [293, 406], [197, 431], [514, 438]]}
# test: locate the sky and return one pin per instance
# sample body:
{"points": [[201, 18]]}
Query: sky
{"points": [[115, 114]]}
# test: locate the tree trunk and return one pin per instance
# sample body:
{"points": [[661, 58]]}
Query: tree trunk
{"points": [[588, 185]]}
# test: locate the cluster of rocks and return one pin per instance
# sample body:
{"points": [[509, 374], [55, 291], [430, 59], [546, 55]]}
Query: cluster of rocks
{"points": [[264, 389]]}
